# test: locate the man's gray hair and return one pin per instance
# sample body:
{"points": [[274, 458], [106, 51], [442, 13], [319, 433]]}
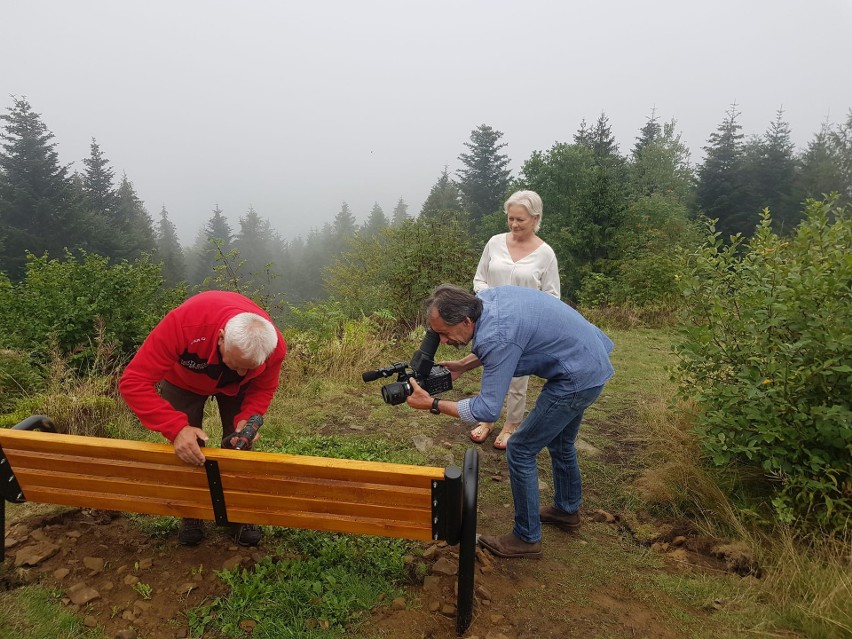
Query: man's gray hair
{"points": [[253, 335], [531, 201], [453, 304]]}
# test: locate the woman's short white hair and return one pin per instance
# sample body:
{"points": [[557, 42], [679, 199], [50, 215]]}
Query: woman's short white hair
{"points": [[531, 201], [254, 336]]}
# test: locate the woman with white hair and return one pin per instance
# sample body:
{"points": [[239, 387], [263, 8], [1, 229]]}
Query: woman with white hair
{"points": [[518, 258]]}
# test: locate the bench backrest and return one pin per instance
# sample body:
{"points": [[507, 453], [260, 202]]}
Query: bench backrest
{"points": [[296, 491], [372, 498]]}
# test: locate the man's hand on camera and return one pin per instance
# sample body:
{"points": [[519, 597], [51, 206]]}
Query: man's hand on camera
{"points": [[186, 445], [456, 368], [419, 398]]}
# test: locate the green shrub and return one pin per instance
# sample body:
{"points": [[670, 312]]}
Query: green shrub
{"points": [[396, 270], [766, 354], [75, 303]]}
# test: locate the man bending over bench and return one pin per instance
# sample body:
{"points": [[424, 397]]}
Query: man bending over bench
{"points": [[216, 344]]}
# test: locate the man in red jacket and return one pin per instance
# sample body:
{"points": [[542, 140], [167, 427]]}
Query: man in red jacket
{"points": [[216, 344]]}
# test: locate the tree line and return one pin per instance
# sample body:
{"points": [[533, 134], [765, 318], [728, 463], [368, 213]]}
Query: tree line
{"points": [[616, 220]]}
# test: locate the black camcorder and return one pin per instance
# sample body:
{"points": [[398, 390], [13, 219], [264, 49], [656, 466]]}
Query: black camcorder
{"points": [[434, 379]]}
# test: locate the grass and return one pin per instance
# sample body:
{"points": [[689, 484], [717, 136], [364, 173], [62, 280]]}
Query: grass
{"points": [[34, 612]]}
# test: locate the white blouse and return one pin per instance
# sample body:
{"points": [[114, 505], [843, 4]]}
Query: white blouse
{"points": [[537, 270]]}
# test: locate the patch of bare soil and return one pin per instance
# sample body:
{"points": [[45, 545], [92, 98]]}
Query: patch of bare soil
{"points": [[118, 578]]}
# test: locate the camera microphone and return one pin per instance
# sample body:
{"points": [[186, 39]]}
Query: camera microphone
{"points": [[371, 376]]}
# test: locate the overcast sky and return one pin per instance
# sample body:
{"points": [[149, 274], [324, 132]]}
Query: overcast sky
{"points": [[295, 107]]}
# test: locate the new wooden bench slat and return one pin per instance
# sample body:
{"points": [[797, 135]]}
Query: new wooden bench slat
{"points": [[170, 475], [178, 508], [235, 498], [335, 495], [254, 463]]}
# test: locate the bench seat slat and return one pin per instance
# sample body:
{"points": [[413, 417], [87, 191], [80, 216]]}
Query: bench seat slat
{"points": [[192, 477], [229, 460], [176, 508], [381, 508]]}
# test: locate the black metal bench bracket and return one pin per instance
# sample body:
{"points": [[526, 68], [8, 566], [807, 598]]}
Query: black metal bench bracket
{"points": [[10, 490], [217, 496]]}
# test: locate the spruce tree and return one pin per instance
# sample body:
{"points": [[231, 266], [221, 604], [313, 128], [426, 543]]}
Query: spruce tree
{"points": [[601, 210], [484, 178], [819, 173], [777, 174], [98, 182], [213, 241], [132, 222], [720, 179], [647, 135], [169, 252], [444, 197], [342, 230], [261, 255], [376, 221], [840, 140], [400, 213], [602, 141], [35, 193], [660, 165]]}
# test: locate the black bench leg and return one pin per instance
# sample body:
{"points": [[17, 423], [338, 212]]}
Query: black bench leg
{"points": [[467, 544], [3, 529]]}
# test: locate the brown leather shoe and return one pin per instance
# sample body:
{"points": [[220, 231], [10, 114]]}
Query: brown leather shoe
{"points": [[569, 522], [510, 546]]}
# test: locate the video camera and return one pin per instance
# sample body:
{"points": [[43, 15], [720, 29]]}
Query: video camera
{"points": [[434, 379]]}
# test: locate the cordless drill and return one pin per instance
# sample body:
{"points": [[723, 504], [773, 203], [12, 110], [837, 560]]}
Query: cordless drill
{"points": [[241, 440]]}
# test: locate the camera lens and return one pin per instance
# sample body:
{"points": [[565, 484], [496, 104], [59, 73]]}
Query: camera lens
{"points": [[395, 392]]}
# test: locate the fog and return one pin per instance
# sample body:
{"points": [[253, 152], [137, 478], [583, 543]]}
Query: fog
{"points": [[293, 109]]}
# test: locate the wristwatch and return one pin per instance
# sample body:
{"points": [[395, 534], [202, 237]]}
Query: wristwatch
{"points": [[434, 410]]}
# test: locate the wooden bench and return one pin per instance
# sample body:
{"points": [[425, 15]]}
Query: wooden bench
{"points": [[295, 491]]}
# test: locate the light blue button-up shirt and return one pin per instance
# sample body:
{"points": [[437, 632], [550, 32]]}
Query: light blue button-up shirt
{"points": [[526, 332]]}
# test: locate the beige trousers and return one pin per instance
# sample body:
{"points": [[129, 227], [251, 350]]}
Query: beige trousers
{"points": [[516, 400]]}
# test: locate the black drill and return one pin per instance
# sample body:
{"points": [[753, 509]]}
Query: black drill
{"points": [[241, 440]]}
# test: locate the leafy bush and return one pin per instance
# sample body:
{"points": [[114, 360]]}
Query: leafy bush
{"points": [[396, 270], [73, 303], [652, 253], [766, 354]]}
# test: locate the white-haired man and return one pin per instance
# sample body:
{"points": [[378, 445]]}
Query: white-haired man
{"points": [[216, 344]]}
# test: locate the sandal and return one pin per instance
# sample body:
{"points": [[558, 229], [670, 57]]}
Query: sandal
{"points": [[481, 432], [502, 439]]}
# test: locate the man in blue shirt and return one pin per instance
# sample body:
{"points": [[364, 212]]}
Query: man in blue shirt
{"points": [[519, 331]]}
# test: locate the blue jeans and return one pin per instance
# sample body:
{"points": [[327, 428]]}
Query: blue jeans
{"points": [[553, 422]]}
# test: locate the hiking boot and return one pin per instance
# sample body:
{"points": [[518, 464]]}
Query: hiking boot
{"points": [[510, 546], [246, 534], [569, 522], [191, 532]]}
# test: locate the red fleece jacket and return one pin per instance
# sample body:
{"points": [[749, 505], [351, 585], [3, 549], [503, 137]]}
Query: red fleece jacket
{"points": [[183, 350]]}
